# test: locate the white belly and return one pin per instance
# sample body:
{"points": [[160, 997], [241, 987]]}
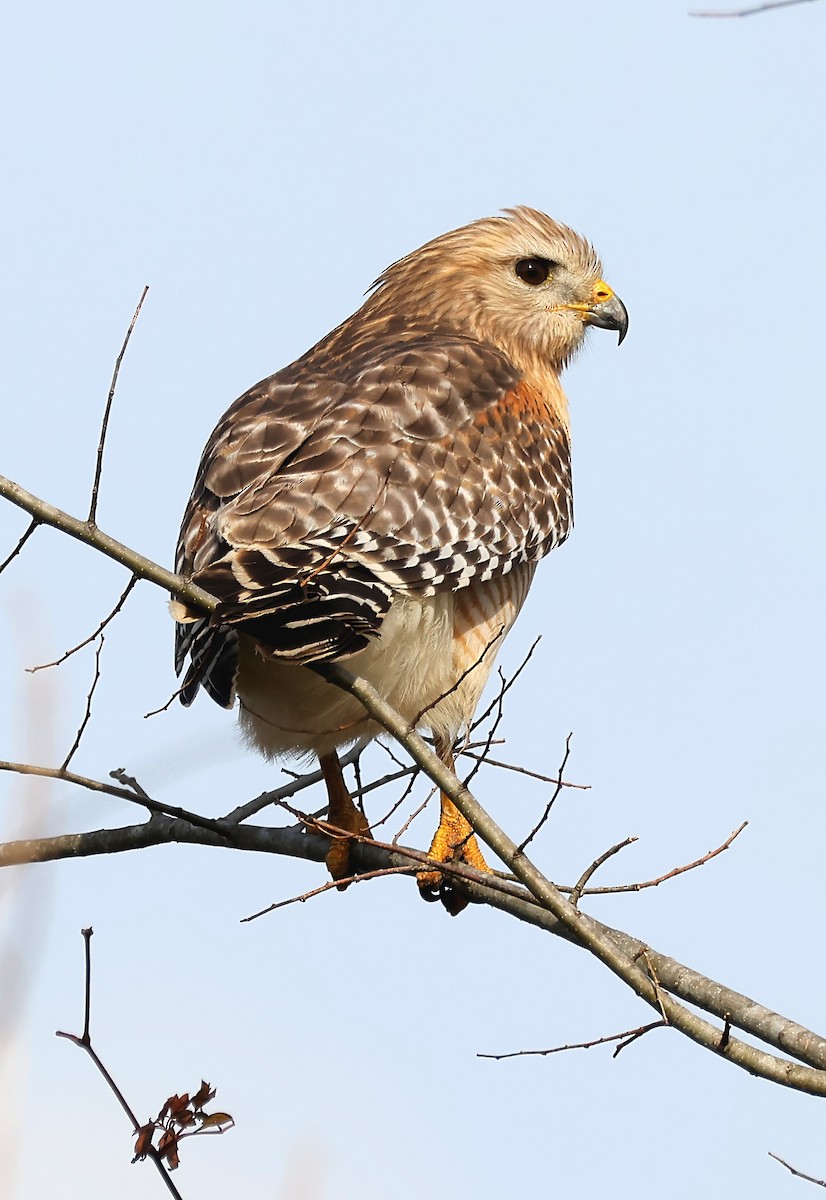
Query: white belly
{"points": [[432, 654]]}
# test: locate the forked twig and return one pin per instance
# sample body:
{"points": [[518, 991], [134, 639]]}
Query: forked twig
{"points": [[34, 524], [330, 886], [88, 713], [466, 752], [520, 849], [579, 886], [86, 641], [649, 883], [480, 720], [455, 686], [84, 1041], [480, 759], [794, 1171], [93, 506], [624, 1039]]}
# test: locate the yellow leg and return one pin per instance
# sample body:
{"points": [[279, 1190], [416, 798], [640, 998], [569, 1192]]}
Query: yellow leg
{"points": [[341, 812], [454, 841]]}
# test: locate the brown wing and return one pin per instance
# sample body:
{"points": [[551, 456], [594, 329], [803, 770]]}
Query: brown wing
{"points": [[422, 465]]}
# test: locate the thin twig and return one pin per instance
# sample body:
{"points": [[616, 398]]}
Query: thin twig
{"points": [[224, 829], [129, 781], [333, 885], [411, 783], [579, 886], [580, 927], [88, 713], [93, 506], [794, 1171], [696, 989], [289, 789], [388, 751], [91, 535], [163, 708], [366, 788], [521, 847], [495, 762], [33, 525], [458, 683], [548, 908], [416, 812], [649, 883], [84, 1041], [86, 641], [749, 12], [624, 1039], [481, 758], [506, 687]]}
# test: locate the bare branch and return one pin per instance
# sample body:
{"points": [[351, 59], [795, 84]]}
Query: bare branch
{"points": [[585, 931], [88, 713], [154, 712], [82, 531], [624, 1039], [506, 687], [794, 1171], [467, 752], [93, 506], [411, 783], [289, 789], [414, 814], [497, 720], [691, 986], [749, 12], [333, 885], [579, 886], [86, 641], [550, 804], [488, 647], [223, 829], [32, 526], [638, 887], [84, 1041], [548, 907]]}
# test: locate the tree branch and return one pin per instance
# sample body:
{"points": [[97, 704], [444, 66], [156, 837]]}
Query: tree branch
{"points": [[93, 505], [91, 535], [749, 12], [546, 906], [582, 928]]}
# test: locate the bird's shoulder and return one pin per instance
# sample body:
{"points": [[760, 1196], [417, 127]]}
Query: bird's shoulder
{"points": [[396, 375]]}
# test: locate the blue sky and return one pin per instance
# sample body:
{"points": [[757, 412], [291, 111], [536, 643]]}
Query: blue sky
{"points": [[258, 166]]}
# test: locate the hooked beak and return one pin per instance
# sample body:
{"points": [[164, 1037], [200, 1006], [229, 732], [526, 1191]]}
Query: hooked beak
{"points": [[606, 311]]}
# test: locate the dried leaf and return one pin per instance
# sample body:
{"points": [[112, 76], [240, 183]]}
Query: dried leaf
{"points": [[217, 1120], [143, 1143], [204, 1094], [176, 1104], [168, 1149]]}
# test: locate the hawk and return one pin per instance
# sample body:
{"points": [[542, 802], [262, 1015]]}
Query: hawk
{"points": [[384, 501]]}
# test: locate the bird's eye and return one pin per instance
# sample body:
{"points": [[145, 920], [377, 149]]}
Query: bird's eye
{"points": [[533, 270]]}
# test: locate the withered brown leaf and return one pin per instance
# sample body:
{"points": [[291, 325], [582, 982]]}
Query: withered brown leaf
{"points": [[143, 1142], [168, 1149], [204, 1094]]}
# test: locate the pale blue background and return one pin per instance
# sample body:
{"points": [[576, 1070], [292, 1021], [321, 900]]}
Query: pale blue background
{"points": [[258, 164]]}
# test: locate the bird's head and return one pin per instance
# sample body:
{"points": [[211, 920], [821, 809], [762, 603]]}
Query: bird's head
{"points": [[522, 282]]}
